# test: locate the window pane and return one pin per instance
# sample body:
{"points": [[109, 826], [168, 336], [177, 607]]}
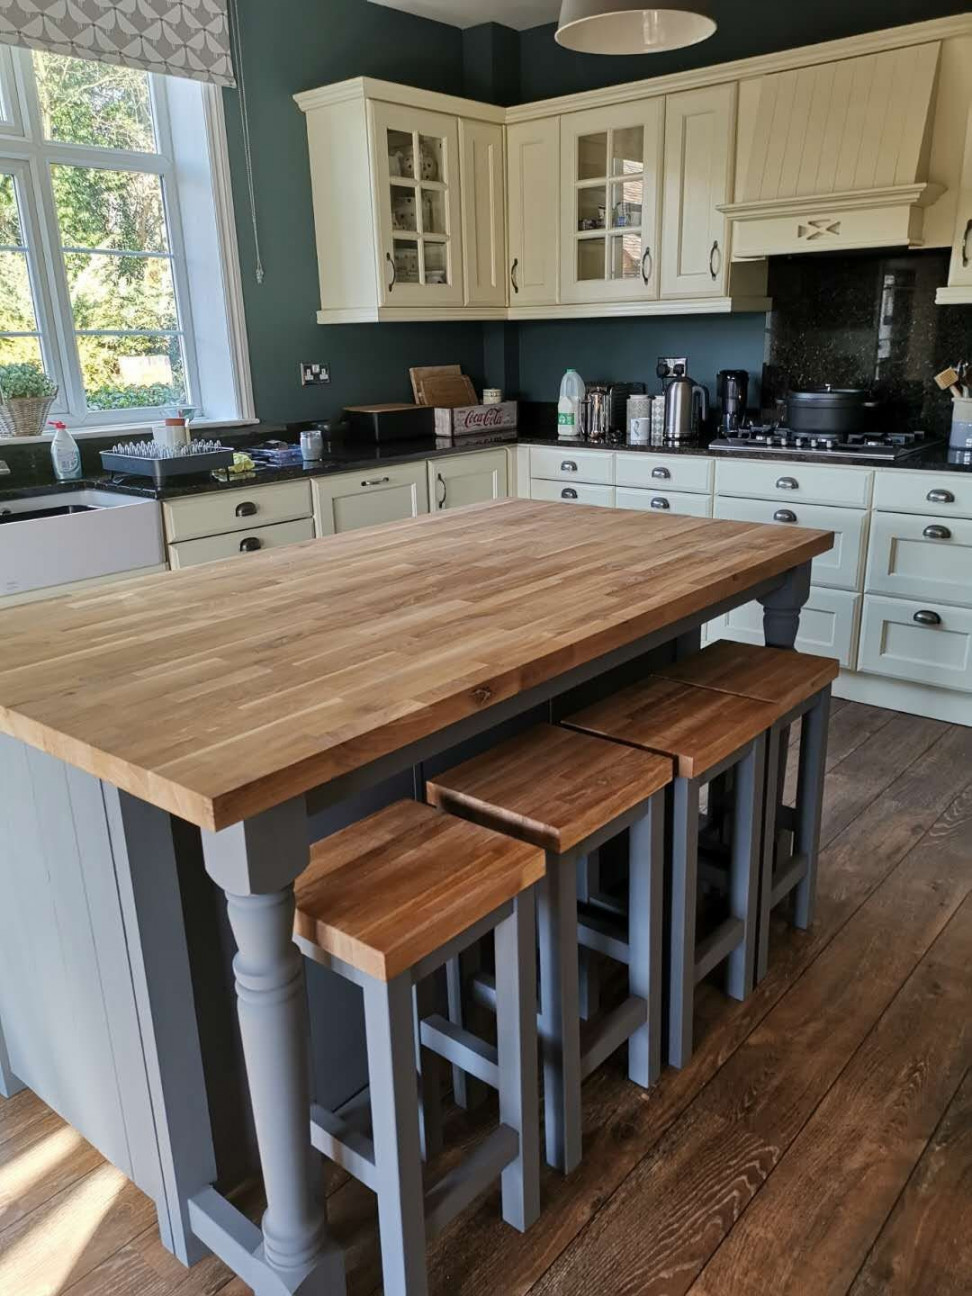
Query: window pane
{"points": [[10, 232], [20, 350], [132, 372], [121, 292], [109, 209], [16, 303], [85, 102]]}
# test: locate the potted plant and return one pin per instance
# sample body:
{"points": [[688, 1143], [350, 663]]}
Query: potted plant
{"points": [[26, 397]]}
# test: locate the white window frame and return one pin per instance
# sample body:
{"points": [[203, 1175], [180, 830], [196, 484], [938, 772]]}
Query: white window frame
{"points": [[192, 158]]}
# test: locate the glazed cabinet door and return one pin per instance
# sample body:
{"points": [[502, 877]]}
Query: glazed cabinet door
{"points": [[457, 480], [417, 201], [610, 166], [700, 129], [482, 174], [533, 174], [348, 501]]}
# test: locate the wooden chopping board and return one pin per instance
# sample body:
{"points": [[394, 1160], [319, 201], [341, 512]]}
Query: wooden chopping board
{"points": [[449, 391]]}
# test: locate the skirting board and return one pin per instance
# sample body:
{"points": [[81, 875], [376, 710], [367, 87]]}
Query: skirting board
{"points": [[903, 695]]}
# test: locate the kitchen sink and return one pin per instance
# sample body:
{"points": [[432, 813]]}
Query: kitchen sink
{"points": [[76, 535]]}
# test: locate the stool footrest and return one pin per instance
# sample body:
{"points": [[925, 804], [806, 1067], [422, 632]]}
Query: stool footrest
{"points": [[460, 1047], [464, 1182], [789, 876], [718, 945], [346, 1146], [610, 1032], [482, 987], [602, 933]]}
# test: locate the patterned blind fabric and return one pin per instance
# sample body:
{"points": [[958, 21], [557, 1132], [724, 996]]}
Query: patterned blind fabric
{"points": [[188, 38]]}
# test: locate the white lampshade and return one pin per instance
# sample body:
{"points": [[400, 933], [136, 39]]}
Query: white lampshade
{"points": [[620, 27]]}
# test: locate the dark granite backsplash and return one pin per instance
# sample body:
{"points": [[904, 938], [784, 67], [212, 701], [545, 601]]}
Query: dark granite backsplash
{"points": [[866, 320]]}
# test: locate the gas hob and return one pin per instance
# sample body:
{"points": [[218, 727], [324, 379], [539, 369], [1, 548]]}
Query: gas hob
{"points": [[882, 446]]}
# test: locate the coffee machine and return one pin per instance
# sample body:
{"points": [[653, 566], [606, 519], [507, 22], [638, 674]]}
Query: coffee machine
{"points": [[733, 398]]}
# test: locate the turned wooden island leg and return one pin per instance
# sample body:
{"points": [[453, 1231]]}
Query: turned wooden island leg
{"points": [[782, 607], [255, 863]]}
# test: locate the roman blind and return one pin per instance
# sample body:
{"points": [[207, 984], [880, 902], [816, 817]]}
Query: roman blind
{"points": [[188, 38]]}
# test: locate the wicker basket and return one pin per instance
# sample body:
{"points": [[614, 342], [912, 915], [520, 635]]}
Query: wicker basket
{"points": [[25, 416]]}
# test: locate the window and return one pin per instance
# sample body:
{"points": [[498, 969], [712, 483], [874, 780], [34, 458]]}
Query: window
{"points": [[100, 172]]}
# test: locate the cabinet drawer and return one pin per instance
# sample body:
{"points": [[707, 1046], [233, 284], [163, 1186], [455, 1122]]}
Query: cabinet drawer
{"points": [[628, 497], [371, 497], [828, 625], [810, 483], [947, 494], [187, 553], [664, 472], [920, 557], [934, 649], [575, 493], [555, 464], [841, 566], [235, 510]]}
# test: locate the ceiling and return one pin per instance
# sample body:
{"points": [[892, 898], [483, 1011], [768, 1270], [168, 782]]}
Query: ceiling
{"points": [[519, 14]]}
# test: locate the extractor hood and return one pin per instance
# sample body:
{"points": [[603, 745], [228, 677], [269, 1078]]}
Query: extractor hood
{"points": [[834, 156]]}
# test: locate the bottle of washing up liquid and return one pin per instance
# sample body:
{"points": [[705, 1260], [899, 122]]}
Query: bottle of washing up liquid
{"points": [[65, 454], [572, 393]]}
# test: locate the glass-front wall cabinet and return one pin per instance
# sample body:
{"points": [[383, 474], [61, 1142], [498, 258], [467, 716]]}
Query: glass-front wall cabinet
{"points": [[610, 169], [417, 177]]}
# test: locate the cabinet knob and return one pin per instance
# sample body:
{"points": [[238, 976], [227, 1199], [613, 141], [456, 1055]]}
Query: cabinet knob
{"points": [[246, 509], [787, 483], [568, 466], [713, 252], [250, 545], [940, 497], [661, 474], [646, 266], [375, 481], [394, 272], [440, 481], [926, 618], [660, 502], [513, 282], [784, 515], [568, 493], [937, 533]]}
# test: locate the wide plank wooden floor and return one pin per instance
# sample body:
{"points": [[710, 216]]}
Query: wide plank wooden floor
{"points": [[820, 1141]]}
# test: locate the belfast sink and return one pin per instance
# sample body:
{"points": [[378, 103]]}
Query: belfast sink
{"points": [[70, 536]]}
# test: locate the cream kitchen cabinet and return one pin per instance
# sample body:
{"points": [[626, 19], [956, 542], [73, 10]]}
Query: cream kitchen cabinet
{"points": [[533, 187], [700, 130], [370, 496], [610, 193], [657, 501], [576, 493], [843, 565], [917, 640], [189, 553], [457, 480], [482, 185], [959, 288], [225, 524], [920, 557]]}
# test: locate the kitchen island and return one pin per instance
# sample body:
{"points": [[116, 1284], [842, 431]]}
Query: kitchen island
{"points": [[207, 722]]}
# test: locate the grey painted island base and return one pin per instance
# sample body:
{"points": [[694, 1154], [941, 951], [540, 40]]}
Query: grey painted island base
{"points": [[100, 998]]}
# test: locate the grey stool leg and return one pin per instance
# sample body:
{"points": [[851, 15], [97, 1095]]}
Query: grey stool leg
{"points": [[429, 1066], [810, 788], [645, 927], [685, 858], [560, 1014], [394, 1113], [768, 862], [744, 875], [516, 1030], [588, 886]]}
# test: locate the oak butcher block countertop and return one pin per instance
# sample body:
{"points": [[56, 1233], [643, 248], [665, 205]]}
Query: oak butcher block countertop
{"points": [[220, 691]]}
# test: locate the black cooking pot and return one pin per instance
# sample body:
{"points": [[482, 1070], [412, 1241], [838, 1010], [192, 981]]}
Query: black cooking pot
{"points": [[830, 411]]}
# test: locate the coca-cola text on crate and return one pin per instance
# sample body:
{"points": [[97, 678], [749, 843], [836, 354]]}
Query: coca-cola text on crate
{"points": [[472, 420]]}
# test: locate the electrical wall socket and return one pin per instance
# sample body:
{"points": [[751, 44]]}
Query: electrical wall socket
{"points": [[666, 366], [314, 375]]}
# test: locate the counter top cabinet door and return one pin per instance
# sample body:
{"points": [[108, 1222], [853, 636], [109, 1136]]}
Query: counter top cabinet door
{"points": [[533, 174], [369, 497], [610, 168], [417, 204], [457, 480], [483, 189], [699, 133]]}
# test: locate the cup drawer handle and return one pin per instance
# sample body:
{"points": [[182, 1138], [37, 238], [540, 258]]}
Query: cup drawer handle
{"points": [[246, 509], [660, 502], [784, 515], [940, 497], [568, 465], [568, 493], [787, 483], [927, 618], [937, 533], [661, 474], [251, 544]]}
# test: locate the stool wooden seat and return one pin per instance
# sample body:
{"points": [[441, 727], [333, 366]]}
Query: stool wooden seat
{"points": [[706, 733], [385, 903], [568, 793], [796, 685]]}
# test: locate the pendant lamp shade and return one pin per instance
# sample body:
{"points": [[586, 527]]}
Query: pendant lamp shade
{"points": [[620, 27]]}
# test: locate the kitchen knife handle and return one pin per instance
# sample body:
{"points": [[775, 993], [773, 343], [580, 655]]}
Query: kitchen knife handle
{"points": [[516, 286], [647, 266], [784, 515], [926, 618], [940, 497], [937, 533]]}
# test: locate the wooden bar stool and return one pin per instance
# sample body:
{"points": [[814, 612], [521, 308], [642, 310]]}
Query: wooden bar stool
{"points": [[568, 793], [706, 734], [796, 685], [385, 903]]}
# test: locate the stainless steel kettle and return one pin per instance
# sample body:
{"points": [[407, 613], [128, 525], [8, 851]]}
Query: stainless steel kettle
{"points": [[686, 409]]}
